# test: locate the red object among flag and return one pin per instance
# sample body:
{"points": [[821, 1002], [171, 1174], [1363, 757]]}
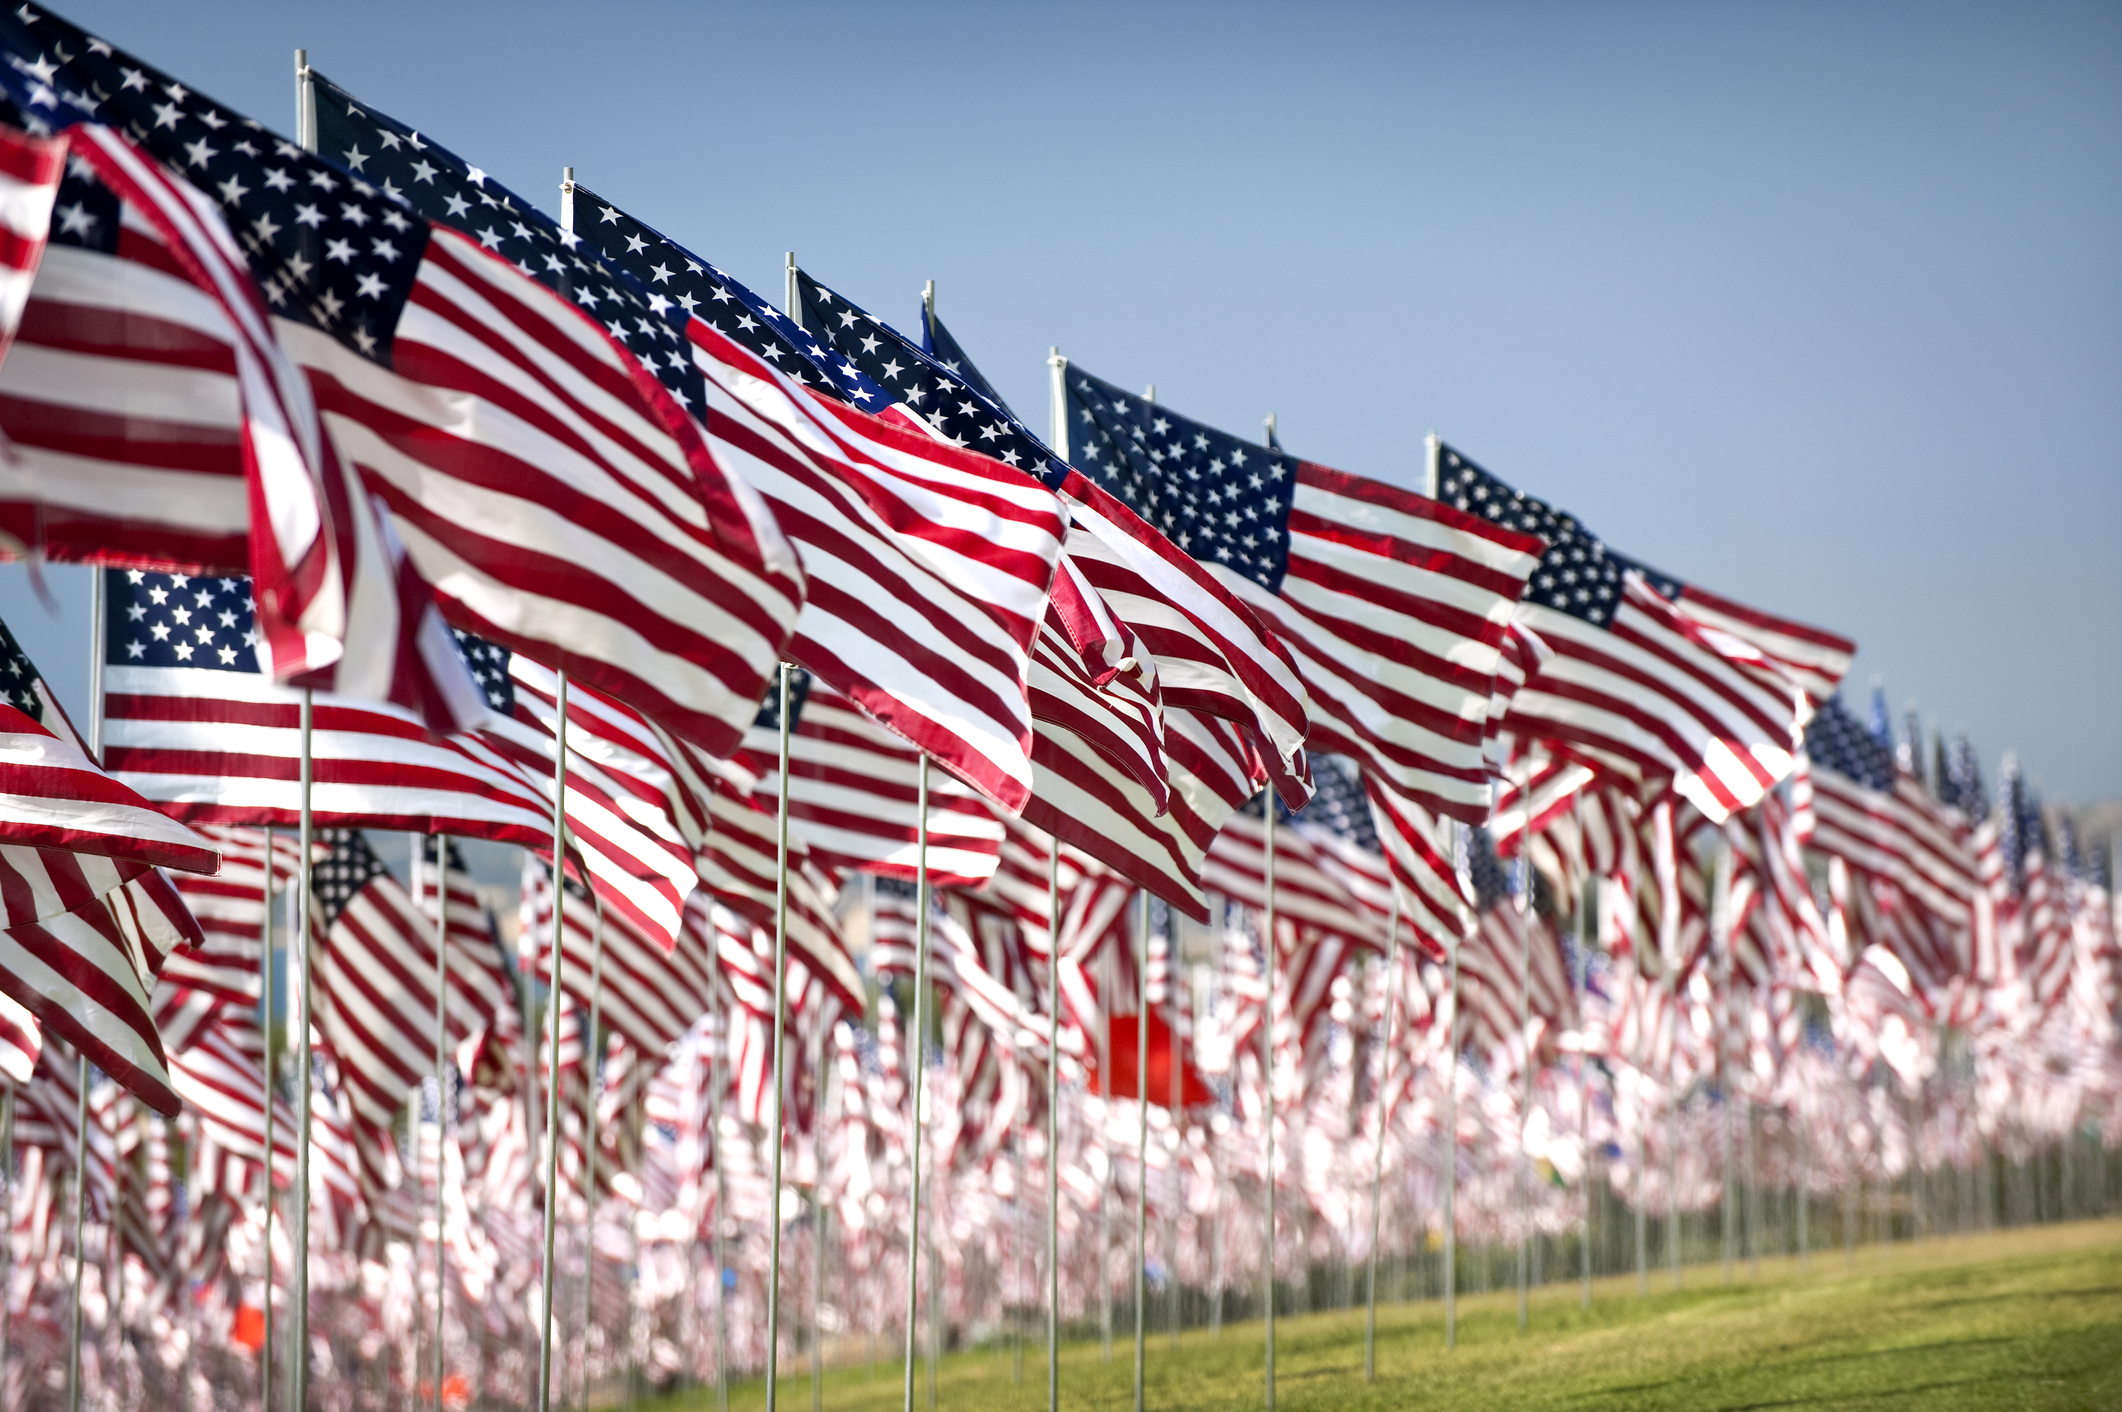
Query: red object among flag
{"points": [[248, 1328], [1126, 1045]]}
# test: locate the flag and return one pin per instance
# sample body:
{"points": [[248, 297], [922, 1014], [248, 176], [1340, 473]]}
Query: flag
{"points": [[553, 493], [650, 995], [1625, 676], [374, 970], [1883, 822], [191, 723], [853, 788], [1393, 606], [928, 566], [1212, 654], [30, 168], [53, 796], [1813, 657], [340, 610]]}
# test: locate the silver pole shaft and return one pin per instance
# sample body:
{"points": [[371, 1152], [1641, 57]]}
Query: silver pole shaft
{"points": [[1805, 1190], [298, 1351], [1642, 1204], [1377, 1170], [1267, 1088], [1720, 934], [552, 1025], [265, 1027], [73, 1337], [774, 1138], [720, 1238], [1584, 941], [1525, 1067], [7, 1207], [442, 1086], [306, 835], [592, 1063], [1672, 1157], [1053, 1126], [1142, 1131], [1450, 1159], [95, 750], [917, 1051]]}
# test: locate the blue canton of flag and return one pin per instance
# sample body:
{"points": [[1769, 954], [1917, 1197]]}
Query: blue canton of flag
{"points": [[1339, 803], [1578, 574], [327, 250], [444, 188], [488, 663], [1220, 499], [937, 342], [18, 677], [966, 415], [338, 878], [1840, 742], [697, 289], [180, 620]]}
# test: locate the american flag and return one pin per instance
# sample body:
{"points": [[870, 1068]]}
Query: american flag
{"points": [[1883, 822], [375, 976], [927, 566], [1813, 657], [1625, 676], [87, 918], [1393, 606], [192, 723], [30, 168], [53, 797], [561, 498], [738, 864], [650, 996], [1212, 654], [852, 792], [231, 909], [342, 612], [625, 823]]}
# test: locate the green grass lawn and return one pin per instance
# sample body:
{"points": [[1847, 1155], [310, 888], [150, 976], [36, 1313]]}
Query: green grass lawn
{"points": [[2025, 1318]]}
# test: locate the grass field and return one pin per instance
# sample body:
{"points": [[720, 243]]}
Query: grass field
{"points": [[2021, 1318]]}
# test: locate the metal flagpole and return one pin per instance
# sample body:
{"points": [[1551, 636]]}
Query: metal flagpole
{"points": [[7, 1205], [552, 1022], [821, 1215], [298, 1370], [1805, 1188], [1525, 1064], [1585, 930], [441, 1092], [1142, 1129], [95, 752], [1642, 1202], [918, 1049], [265, 970], [1377, 1170], [1267, 1086], [1461, 844], [592, 1065], [719, 1242], [1450, 1159], [1720, 935], [1672, 1157], [774, 1138], [298, 1360], [73, 1337], [1177, 1072], [1053, 1126]]}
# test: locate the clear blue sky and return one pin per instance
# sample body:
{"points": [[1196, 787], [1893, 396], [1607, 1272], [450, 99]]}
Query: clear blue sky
{"points": [[1817, 304]]}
